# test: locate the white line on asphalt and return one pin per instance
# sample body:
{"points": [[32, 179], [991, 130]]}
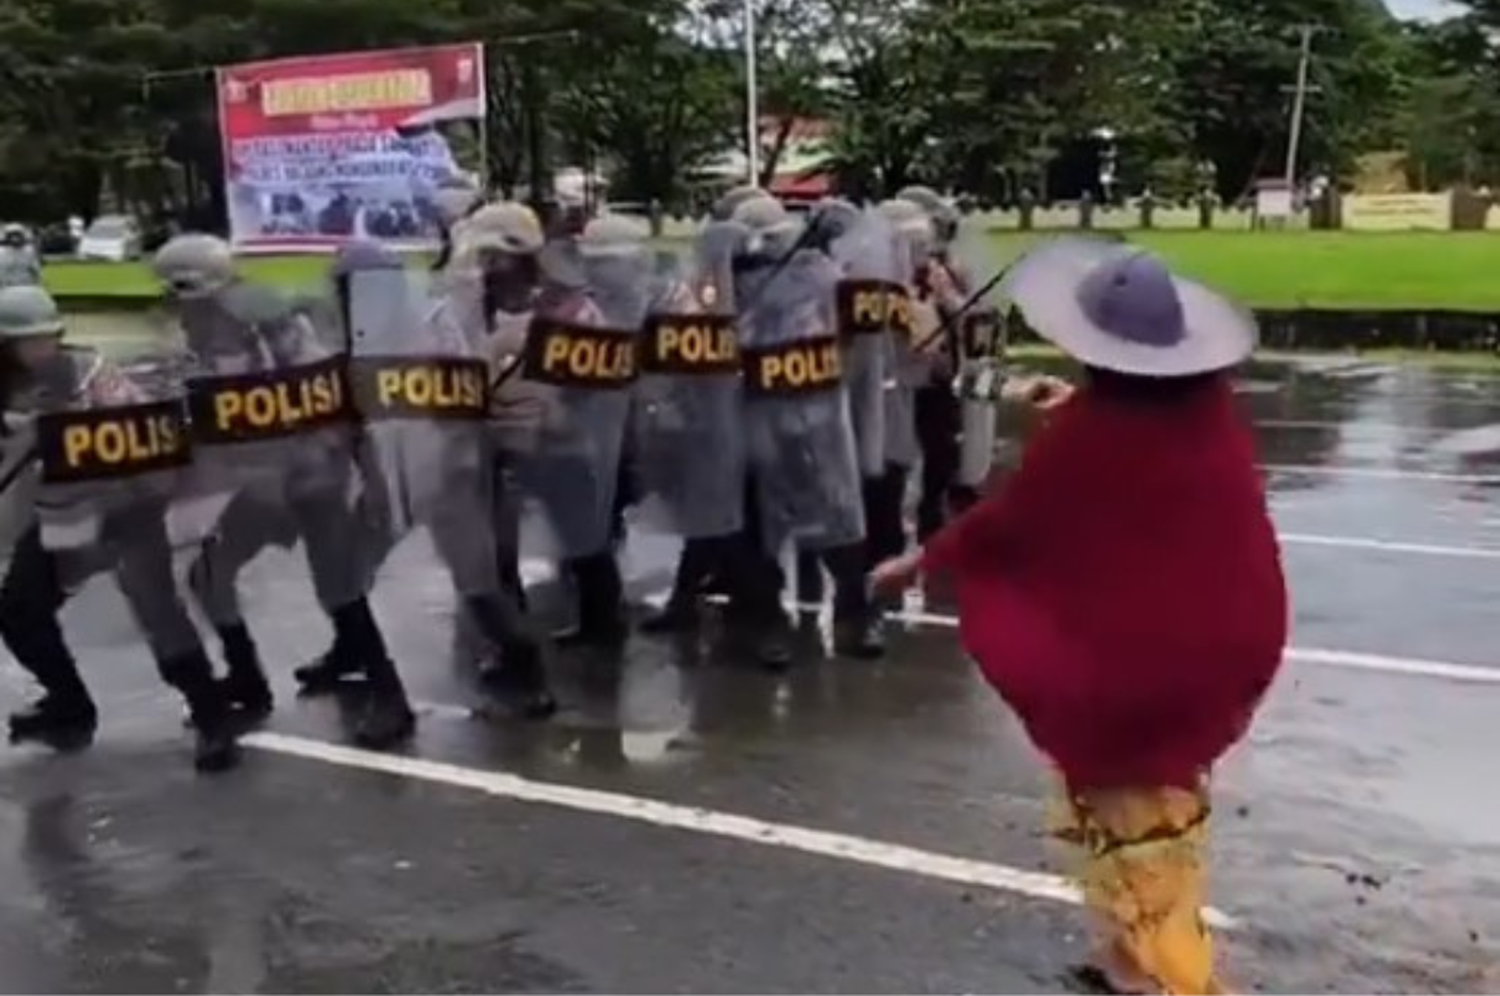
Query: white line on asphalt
{"points": [[843, 847], [1380, 473], [1388, 546], [1347, 659]]}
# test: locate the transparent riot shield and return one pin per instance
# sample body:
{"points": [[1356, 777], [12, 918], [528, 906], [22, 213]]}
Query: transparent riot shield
{"points": [[799, 436], [689, 444], [869, 298], [113, 457], [577, 367], [906, 367], [979, 355], [420, 387]]}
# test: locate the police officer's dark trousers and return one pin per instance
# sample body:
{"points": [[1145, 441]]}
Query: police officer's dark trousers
{"points": [[133, 542], [939, 421], [597, 582], [755, 583]]}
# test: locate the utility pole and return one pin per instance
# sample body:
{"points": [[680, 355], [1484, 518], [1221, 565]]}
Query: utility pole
{"points": [[1299, 102], [752, 96]]}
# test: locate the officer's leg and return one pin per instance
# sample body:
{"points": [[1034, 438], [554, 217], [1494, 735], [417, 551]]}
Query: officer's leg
{"points": [[756, 582], [885, 524], [143, 570], [30, 596], [493, 605], [697, 561], [856, 625], [937, 423], [247, 527], [599, 588], [809, 579]]}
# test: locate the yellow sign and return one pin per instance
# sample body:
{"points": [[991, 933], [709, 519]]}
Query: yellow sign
{"points": [[872, 307], [690, 344], [579, 355], [809, 365], [267, 404], [388, 387], [118, 442], [386, 90], [1397, 212]]}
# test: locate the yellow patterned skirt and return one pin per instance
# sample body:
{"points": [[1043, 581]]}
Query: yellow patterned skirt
{"points": [[1143, 882]]}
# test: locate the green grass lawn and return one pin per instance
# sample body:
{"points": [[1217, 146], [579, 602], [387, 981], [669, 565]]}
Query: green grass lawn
{"points": [[1459, 270]]}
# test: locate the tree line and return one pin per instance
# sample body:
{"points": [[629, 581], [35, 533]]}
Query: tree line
{"points": [[992, 97]]}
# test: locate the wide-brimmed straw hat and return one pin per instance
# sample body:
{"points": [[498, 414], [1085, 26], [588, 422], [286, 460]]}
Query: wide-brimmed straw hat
{"points": [[1119, 308]]}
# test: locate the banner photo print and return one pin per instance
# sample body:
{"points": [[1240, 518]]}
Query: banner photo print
{"points": [[322, 149]]}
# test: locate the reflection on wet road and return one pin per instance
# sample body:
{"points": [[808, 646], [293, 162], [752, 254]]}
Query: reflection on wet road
{"points": [[692, 823]]}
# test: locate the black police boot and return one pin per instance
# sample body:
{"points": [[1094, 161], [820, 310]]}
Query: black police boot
{"points": [[64, 720], [857, 629], [518, 678], [245, 687], [340, 665], [387, 719], [518, 675], [213, 722], [601, 612], [681, 613], [64, 717], [860, 637], [773, 649]]}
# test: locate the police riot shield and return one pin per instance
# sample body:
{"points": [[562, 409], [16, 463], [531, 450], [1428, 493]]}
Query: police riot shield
{"points": [[689, 447], [978, 354], [799, 438], [578, 365], [419, 384], [113, 450], [907, 368], [868, 295], [272, 440]]}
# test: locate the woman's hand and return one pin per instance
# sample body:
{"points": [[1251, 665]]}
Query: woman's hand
{"points": [[1042, 393], [896, 574]]}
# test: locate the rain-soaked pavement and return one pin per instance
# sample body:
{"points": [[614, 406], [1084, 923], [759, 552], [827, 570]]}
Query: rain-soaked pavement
{"points": [[689, 823]]}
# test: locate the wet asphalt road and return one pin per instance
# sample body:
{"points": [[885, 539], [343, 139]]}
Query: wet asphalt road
{"points": [[1358, 844]]}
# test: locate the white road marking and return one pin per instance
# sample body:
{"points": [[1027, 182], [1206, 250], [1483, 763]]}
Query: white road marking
{"points": [[1388, 546], [1347, 659], [1379, 473], [1003, 451], [842, 847]]}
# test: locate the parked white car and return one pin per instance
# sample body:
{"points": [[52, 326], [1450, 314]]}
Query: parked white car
{"points": [[111, 237]]}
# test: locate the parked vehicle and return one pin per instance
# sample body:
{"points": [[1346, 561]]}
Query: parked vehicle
{"points": [[111, 237]]}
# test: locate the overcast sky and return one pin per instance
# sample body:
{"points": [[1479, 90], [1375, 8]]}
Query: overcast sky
{"points": [[1419, 8]]}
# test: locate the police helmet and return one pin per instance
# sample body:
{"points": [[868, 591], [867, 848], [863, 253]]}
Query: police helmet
{"points": [[194, 264], [907, 217], [14, 234], [507, 226], [612, 235], [941, 210], [832, 218], [28, 311], [723, 209]]}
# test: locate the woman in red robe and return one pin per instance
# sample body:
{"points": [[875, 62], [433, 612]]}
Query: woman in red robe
{"points": [[1124, 593]]}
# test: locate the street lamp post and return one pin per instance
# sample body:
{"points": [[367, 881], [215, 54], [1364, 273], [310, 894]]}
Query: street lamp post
{"points": [[752, 97]]}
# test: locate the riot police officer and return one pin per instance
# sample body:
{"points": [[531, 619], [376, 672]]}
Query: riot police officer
{"points": [[280, 487], [116, 523], [939, 413], [802, 456], [19, 262]]}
